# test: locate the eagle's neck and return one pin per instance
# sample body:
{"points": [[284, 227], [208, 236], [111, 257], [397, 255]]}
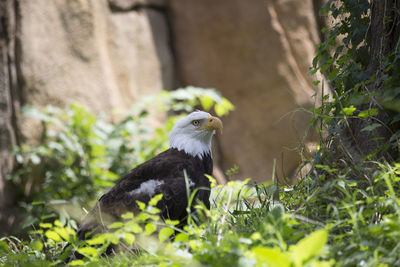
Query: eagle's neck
{"points": [[196, 145]]}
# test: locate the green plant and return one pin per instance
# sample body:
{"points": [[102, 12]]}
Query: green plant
{"points": [[144, 240], [361, 118]]}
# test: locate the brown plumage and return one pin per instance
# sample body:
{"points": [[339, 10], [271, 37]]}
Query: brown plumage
{"points": [[168, 168]]}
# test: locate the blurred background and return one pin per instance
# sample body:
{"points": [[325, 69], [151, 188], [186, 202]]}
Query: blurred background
{"points": [[110, 54]]}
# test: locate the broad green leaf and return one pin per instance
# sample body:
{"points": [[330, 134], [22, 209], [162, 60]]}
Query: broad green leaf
{"points": [[134, 228], [316, 82], [309, 247], [142, 217], [165, 233], [256, 236], [272, 257], [129, 238], [171, 222], [4, 246], [367, 113], [58, 223], [53, 236], [141, 205], [323, 263], [224, 107], [371, 127], [333, 74], [63, 233], [155, 200], [150, 228], [88, 251], [45, 225], [153, 210], [115, 225], [181, 237], [206, 102], [128, 215], [76, 263], [349, 111], [37, 245], [97, 239]]}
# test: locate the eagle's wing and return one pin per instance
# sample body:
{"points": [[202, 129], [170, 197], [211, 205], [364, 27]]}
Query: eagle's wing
{"points": [[162, 174]]}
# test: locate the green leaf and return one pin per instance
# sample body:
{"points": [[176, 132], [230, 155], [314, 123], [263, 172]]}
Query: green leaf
{"points": [[153, 210], [371, 127], [348, 111], [88, 251], [63, 233], [272, 257], [155, 200], [165, 233], [58, 223], [128, 215], [115, 225], [333, 74], [181, 237], [129, 238], [97, 239], [45, 225], [134, 228], [76, 263], [171, 222], [224, 107], [37, 245], [206, 102], [309, 247], [316, 82], [150, 228], [368, 113], [141, 205], [4, 246], [53, 236]]}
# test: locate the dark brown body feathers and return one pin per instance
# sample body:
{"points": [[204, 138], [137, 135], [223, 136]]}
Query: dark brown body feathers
{"points": [[167, 167]]}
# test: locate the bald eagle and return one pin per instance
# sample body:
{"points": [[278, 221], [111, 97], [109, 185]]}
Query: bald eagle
{"points": [[190, 152]]}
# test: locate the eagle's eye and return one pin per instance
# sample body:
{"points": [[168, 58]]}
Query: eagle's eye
{"points": [[196, 122]]}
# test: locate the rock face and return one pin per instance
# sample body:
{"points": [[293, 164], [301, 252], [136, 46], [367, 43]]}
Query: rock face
{"points": [[258, 56], [79, 50]]}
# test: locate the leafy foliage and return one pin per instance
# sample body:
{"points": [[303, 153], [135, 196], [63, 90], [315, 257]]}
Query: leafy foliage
{"points": [[144, 240], [345, 212], [364, 86]]}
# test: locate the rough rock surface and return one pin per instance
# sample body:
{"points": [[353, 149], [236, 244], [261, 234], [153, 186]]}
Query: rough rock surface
{"points": [[129, 5], [257, 55], [78, 50]]}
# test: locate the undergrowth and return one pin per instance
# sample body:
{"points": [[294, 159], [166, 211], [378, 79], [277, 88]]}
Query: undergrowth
{"points": [[326, 219], [344, 212]]}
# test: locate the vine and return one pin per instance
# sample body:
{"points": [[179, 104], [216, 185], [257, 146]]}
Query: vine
{"points": [[362, 118]]}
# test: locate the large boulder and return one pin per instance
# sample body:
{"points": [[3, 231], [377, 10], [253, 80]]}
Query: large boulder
{"points": [[83, 51], [257, 54]]}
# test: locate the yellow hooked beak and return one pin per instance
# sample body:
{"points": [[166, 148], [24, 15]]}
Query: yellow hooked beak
{"points": [[213, 123]]}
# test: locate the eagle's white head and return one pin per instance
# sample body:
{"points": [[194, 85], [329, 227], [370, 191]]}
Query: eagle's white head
{"points": [[194, 132]]}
